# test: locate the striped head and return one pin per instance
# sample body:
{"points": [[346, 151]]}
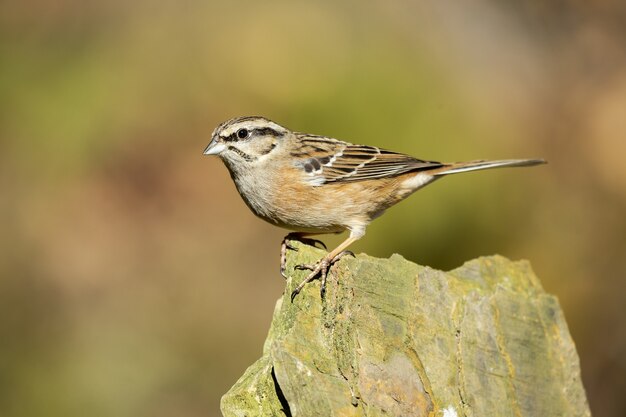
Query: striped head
{"points": [[245, 139]]}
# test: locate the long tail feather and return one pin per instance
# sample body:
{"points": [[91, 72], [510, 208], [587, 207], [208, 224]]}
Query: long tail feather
{"points": [[458, 167]]}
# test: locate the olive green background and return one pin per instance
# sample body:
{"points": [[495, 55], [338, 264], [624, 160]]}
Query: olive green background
{"points": [[135, 282]]}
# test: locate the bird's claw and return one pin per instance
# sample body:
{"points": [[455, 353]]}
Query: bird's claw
{"points": [[313, 242], [321, 268]]}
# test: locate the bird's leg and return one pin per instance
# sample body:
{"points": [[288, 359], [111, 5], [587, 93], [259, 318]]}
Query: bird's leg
{"points": [[285, 245], [321, 268]]}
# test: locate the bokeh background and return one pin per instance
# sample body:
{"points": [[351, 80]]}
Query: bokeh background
{"points": [[135, 282]]}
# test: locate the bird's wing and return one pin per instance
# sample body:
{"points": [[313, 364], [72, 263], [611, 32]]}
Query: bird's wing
{"points": [[325, 160]]}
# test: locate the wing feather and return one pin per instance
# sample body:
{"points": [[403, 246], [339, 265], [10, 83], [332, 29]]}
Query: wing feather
{"points": [[326, 160]]}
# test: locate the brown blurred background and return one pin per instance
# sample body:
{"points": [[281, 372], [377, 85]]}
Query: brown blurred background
{"points": [[135, 282]]}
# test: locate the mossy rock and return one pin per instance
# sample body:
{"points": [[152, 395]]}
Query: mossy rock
{"points": [[394, 338]]}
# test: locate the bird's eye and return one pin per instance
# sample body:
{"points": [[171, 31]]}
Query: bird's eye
{"points": [[243, 133]]}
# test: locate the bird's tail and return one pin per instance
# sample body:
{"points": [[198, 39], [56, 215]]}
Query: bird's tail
{"points": [[457, 167]]}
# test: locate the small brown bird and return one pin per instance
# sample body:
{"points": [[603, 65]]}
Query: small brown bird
{"points": [[315, 184]]}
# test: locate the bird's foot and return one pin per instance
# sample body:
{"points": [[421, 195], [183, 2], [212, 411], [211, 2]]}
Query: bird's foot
{"points": [[286, 245], [320, 268]]}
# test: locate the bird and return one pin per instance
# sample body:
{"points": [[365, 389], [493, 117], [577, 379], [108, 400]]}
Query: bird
{"points": [[313, 184]]}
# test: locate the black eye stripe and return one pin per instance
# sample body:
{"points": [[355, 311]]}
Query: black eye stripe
{"points": [[230, 138], [268, 131]]}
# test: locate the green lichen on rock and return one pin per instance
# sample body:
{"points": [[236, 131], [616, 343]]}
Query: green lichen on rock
{"points": [[394, 338]]}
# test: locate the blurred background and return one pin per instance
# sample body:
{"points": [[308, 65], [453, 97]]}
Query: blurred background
{"points": [[135, 282]]}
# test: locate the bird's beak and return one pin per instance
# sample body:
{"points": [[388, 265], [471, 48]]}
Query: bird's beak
{"points": [[214, 148]]}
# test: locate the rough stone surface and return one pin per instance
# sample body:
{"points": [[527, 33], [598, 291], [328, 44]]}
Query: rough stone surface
{"points": [[394, 338]]}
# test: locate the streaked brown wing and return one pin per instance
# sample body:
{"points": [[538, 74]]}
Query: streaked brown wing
{"points": [[330, 160]]}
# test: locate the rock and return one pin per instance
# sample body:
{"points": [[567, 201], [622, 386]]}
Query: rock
{"points": [[394, 338]]}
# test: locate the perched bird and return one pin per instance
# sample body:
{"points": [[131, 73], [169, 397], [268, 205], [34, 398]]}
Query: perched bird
{"points": [[315, 184]]}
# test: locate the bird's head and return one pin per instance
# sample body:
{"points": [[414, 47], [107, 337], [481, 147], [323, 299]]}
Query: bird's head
{"points": [[245, 139]]}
